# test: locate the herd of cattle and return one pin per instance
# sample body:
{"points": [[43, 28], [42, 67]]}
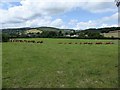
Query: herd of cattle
{"points": [[89, 43], [27, 41]]}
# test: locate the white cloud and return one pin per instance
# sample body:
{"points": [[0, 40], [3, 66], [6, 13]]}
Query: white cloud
{"points": [[84, 25], [102, 22], [40, 21], [99, 7], [57, 23], [106, 25], [36, 13]]}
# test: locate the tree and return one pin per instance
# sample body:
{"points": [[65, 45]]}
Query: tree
{"points": [[0, 37], [72, 32], [60, 33], [81, 35], [5, 37], [52, 34], [66, 33], [49, 34]]}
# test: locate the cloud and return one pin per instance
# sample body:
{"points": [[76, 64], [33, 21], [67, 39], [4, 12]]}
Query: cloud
{"points": [[102, 22], [83, 25], [106, 25], [36, 13], [57, 23], [99, 7], [37, 22]]}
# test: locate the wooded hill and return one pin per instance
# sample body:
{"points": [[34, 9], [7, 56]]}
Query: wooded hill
{"points": [[52, 32], [103, 30], [100, 30]]}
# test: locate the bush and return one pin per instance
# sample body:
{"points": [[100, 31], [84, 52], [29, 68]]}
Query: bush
{"points": [[0, 37], [5, 38]]}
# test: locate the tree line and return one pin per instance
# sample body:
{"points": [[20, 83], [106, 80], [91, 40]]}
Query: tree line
{"points": [[51, 34], [83, 34]]}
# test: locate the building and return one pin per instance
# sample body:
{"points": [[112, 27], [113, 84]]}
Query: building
{"points": [[72, 35]]}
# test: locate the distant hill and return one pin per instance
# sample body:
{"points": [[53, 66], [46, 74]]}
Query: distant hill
{"points": [[33, 31], [30, 30], [102, 30], [47, 28], [22, 30], [52, 32]]}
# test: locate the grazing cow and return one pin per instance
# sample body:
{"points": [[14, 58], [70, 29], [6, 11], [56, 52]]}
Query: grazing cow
{"points": [[33, 41], [16, 40], [76, 43], [38, 41], [80, 43], [90, 43], [41, 41], [85, 43], [98, 43], [29, 41], [20, 40], [112, 43], [60, 43], [108, 43], [11, 40], [69, 43], [25, 41]]}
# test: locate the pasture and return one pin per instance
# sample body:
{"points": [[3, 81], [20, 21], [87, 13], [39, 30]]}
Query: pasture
{"points": [[54, 65]]}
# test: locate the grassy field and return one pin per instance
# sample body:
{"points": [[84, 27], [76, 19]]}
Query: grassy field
{"points": [[0, 66], [53, 65]]}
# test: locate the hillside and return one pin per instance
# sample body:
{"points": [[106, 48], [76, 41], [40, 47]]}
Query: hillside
{"points": [[47, 28], [33, 31], [57, 32], [102, 30]]}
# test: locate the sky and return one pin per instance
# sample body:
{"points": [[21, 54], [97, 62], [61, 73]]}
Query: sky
{"points": [[67, 14]]}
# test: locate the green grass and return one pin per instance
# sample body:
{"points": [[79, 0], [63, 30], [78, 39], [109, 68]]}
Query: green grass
{"points": [[0, 66], [54, 65]]}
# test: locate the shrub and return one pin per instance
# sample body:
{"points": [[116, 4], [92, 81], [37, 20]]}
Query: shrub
{"points": [[5, 37]]}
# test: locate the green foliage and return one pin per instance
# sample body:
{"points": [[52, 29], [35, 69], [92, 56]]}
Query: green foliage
{"points": [[0, 36], [51, 32], [5, 37], [60, 33], [90, 34]]}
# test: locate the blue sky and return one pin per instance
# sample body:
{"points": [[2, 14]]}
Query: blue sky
{"points": [[62, 14]]}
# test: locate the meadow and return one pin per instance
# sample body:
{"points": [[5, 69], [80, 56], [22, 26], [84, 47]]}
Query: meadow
{"points": [[0, 66], [53, 65]]}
